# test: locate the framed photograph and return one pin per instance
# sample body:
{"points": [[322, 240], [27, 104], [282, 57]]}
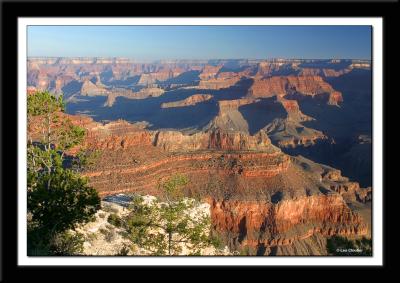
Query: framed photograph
{"points": [[207, 139]]}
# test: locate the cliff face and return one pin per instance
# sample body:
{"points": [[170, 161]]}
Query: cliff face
{"points": [[175, 141], [129, 94], [140, 173], [256, 224], [238, 141], [218, 83], [290, 133], [191, 100], [293, 111], [325, 72], [90, 89], [283, 85], [209, 72], [229, 119], [152, 78]]}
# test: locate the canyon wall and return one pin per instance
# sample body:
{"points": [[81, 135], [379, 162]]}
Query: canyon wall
{"points": [[283, 85], [257, 223], [190, 101]]}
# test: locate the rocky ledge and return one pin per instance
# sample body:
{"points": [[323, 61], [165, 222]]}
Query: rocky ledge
{"points": [[190, 101]]}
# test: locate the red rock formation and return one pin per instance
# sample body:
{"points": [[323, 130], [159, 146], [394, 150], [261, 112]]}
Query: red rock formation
{"points": [[209, 72], [226, 105], [268, 68], [229, 119], [290, 133], [191, 100], [175, 141], [152, 78], [222, 140], [303, 141], [141, 94], [90, 89], [116, 135], [335, 98], [293, 110], [264, 223], [282, 86], [325, 72], [218, 83], [143, 175]]}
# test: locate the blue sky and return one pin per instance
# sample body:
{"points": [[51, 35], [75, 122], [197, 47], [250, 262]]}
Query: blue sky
{"points": [[201, 42]]}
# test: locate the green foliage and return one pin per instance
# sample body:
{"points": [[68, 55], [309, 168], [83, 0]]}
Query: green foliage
{"points": [[171, 189], [85, 159], [109, 234], [69, 135], [43, 243], [245, 251], [114, 220], [217, 241], [58, 198], [68, 201], [161, 227], [38, 241], [341, 246], [43, 103], [67, 243]]}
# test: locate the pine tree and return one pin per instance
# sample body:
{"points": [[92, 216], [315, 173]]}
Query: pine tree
{"points": [[58, 197], [164, 227]]}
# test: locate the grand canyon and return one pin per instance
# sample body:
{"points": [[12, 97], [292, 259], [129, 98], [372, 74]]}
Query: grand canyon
{"points": [[280, 149]]}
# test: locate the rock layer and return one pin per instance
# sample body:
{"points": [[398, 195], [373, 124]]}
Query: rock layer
{"points": [[255, 224], [286, 85], [191, 100]]}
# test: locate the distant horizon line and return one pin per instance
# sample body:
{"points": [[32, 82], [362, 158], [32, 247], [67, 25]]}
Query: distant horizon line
{"points": [[185, 59]]}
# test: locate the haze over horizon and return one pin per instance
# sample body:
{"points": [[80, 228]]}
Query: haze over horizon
{"points": [[151, 43]]}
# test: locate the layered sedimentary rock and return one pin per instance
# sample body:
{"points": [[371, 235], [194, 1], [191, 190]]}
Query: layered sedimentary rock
{"points": [[90, 89], [209, 72], [264, 224], [162, 75], [335, 98], [141, 94], [266, 68], [218, 83], [117, 135], [290, 133], [293, 111], [285, 85], [350, 191], [229, 119], [175, 141], [143, 175], [324, 72], [191, 100]]}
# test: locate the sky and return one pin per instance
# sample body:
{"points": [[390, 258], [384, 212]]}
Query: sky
{"points": [[201, 42]]}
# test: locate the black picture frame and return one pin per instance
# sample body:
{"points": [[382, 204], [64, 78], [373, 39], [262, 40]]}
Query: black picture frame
{"points": [[10, 13]]}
